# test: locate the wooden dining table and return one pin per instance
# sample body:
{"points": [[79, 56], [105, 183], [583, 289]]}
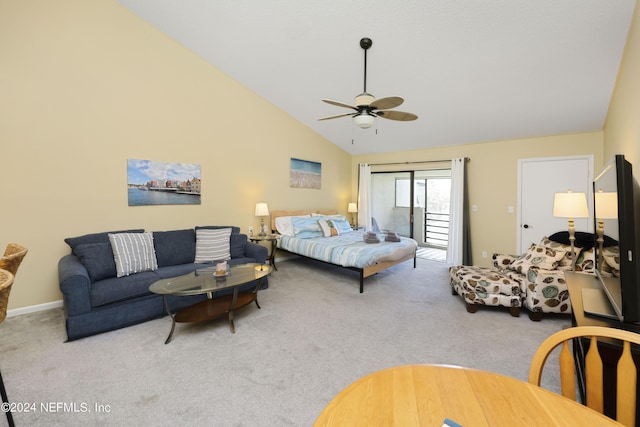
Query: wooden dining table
{"points": [[426, 395]]}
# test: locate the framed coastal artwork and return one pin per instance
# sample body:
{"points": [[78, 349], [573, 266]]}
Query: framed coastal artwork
{"points": [[163, 183], [305, 174]]}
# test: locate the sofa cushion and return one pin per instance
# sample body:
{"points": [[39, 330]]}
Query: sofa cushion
{"points": [[212, 244], [537, 257], [175, 247], [133, 253], [73, 242], [238, 243], [233, 228], [97, 258], [114, 289]]}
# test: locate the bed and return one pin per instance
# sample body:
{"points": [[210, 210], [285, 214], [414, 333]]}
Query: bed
{"points": [[309, 233]]}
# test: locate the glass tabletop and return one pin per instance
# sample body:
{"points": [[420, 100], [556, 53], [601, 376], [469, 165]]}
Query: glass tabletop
{"points": [[204, 280]]}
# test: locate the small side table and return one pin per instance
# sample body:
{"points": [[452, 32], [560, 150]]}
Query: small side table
{"points": [[272, 252]]}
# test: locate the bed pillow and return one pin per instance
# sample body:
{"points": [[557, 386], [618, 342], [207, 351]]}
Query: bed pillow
{"points": [[342, 225], [213, 245], [284, 225], [328, 228], [133, 253], [537, 257], [306, 227]]}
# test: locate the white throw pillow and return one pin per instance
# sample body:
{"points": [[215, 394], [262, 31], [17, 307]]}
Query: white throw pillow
{"points": [[133, 253], [284, 225], [213, 245]]}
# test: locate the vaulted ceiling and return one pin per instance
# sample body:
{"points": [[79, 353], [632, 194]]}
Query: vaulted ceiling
{"points": [[471, 70]]}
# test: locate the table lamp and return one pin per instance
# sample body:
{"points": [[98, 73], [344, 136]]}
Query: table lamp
{"points": [[571, 205], [606, 204], [262, 210], [352, 208]]}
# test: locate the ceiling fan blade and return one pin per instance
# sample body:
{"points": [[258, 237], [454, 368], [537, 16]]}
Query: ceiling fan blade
{"points": [[396, 115], [335, 117], [339, 104], [386, 103]]}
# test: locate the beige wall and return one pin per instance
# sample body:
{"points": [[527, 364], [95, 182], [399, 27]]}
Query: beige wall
{"points": [[622, 128], [87, 85], [493, 180], [84, 86]]}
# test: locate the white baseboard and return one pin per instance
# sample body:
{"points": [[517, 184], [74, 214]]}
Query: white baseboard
{"points": [[34, 308]]}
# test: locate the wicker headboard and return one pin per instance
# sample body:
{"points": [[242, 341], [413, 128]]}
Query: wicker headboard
{"points": [[278, 213]]}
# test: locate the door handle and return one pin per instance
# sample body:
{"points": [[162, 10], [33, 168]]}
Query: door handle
{"points": [[525, 226]]}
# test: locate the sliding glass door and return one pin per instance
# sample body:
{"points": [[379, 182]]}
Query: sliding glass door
{"points": [[414, 204]]}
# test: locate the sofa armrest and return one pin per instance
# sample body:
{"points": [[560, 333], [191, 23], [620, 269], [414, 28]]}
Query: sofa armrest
{"points": [[257, 252], [75, 285]]}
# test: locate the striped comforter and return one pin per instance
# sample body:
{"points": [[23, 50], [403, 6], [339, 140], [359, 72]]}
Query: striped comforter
{"points": [[349, 250]]}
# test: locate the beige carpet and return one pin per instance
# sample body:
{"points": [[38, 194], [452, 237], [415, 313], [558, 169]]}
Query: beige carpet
{"points": [[314, 335]]}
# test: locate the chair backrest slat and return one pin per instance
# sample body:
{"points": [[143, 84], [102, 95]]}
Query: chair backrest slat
{"points": [[593, 366], [593, 374], [626, 387], [567, 372]]}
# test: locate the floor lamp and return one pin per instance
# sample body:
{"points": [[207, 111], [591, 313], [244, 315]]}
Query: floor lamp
{"points": [[571, 205]]}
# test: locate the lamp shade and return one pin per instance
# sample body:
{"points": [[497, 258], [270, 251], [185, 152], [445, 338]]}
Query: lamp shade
{"points": [[364, 120], [352, 208], [262, 209], [606, 205], [570, 205]]}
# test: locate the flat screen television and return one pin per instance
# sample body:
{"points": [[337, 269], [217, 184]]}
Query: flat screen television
{"points": [[616, 198]]}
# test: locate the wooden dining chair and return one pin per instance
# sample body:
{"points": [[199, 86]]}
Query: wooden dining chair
{"points": [[626, 368], [9, 263], [6, 280]]}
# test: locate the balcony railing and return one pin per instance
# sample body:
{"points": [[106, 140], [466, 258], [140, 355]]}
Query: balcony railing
{"points": [[436, 229]]}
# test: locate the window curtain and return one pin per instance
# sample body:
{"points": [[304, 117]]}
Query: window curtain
{"points": [[364, 196], [459, 251]]}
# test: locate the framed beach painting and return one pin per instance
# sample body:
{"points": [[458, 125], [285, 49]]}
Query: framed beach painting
{"points": [[163, 183], [305, 174]]}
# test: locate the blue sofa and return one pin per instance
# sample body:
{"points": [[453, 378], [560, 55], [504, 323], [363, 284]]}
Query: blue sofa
{"points": [[97, 301]]}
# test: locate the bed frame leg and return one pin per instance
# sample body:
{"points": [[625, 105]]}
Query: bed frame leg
{"points": [[415, 257], [361, 281]]}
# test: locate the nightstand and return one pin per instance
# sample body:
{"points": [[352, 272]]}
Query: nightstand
{"points": [[272, 252]]}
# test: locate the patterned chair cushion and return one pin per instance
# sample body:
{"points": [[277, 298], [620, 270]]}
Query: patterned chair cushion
{"points": [[539, 257], [585, 263], [481, 285], [567, 261], [547, 292]]}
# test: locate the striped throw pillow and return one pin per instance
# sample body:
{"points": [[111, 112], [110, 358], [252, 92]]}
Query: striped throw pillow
{"points": [[212, 245], [133, 253]]}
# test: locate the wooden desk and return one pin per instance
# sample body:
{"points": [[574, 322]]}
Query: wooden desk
{"points": [[424, 395]]}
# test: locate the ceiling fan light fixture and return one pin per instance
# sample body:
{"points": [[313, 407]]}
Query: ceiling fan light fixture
{"points": [[364, 120]]}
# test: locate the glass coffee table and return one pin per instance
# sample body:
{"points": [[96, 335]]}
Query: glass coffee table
{"points": [[205, 281]]}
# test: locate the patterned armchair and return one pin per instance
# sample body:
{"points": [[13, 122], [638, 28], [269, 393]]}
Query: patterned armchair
{"points": [[534, 280]]}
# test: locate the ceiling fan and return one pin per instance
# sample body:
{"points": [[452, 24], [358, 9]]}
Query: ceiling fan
{"points": [[367, 107]]}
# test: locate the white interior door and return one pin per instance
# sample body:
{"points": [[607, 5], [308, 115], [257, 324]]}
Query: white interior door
{"points": [[538, 180]]}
